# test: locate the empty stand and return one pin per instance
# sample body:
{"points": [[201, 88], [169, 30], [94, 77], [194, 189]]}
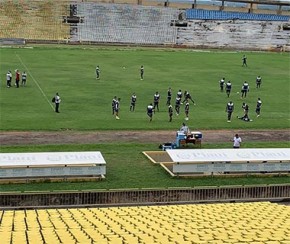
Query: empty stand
{"points": [[39, 20], [122, 23], [224, 15], [213, 223]]}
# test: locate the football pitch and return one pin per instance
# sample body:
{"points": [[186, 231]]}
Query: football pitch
{"points": [[86, 101]]}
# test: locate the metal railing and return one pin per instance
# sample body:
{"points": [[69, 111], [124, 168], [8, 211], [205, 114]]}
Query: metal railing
{"points": [[144, 196]]}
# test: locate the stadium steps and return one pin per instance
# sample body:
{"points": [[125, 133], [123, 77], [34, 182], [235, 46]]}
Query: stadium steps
{"points": [[121, 23], [33, 20]]}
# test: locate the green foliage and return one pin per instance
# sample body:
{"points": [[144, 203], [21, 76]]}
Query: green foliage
{"points": [[135, 170], [86, 102]]}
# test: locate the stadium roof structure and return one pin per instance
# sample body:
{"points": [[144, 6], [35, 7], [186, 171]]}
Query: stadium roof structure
{"points": [[267, 2]]}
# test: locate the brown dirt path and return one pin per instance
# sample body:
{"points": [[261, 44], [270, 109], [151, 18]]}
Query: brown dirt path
{"points": [[91, 137]]}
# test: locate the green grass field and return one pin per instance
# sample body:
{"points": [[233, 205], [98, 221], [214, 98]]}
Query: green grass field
{"points": [[86, 102]]}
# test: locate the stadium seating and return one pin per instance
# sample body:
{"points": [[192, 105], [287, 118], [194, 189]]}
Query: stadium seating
{"points": [[39, 20], [122, 23], [223, 15], [260, 222]]}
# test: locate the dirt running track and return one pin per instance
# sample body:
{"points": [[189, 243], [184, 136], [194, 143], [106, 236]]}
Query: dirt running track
{"points": [[72, 137]]}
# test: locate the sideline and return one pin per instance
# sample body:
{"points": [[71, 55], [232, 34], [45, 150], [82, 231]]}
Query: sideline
{"points": [[35, 81]]}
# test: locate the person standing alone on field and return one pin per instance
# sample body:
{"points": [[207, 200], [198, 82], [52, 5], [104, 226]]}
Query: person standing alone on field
{"points": [[142, 72], [133, 102], [114, 104], [56, 100], [244, 61], [237, 141], [98, 72], [258, 81]]}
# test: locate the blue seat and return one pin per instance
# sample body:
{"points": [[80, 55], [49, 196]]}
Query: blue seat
{"points": [[223, 15]]}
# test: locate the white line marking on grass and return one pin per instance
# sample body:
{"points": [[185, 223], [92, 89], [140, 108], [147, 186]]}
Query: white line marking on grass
{"points": [[35, 81]]}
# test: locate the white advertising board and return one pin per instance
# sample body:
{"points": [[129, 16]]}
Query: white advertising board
{"points": [[229, 155], [50, 158]]}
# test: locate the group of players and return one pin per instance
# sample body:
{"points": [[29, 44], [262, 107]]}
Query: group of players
{"points": [[154, 106], [181, 98], [244, 90], [17, 78]]}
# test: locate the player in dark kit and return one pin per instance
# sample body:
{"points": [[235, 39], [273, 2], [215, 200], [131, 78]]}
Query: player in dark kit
{"points": [[222, 83], [142, 72], [258, 81], [177, 105], [156, 101], [179, 94], [186, 108], [228, 88], [245, 107], [187, 97], [245, 117], [150, 111], [245, 89], [229, 110], [117, 108], [244, 58], [170, 112], [98, 72], [169, 95], [114, 104], [258, 107], [133, 102]]}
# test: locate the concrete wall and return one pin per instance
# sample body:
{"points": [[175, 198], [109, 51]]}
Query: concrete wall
{"points": [[234, 34]]}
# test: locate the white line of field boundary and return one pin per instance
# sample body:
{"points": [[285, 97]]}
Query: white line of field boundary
{"points": [[35, 81]]}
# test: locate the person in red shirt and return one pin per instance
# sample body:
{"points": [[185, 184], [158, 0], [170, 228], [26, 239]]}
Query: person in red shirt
{"points": [[17, 78]]}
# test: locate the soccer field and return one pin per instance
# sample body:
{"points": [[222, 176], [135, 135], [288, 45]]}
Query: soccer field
{"points": [[86, 102]]}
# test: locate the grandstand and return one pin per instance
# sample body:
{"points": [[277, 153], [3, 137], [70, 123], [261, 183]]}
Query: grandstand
{"points": [[33, 20], [92, 22], [260, 222], [119, 23]]}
